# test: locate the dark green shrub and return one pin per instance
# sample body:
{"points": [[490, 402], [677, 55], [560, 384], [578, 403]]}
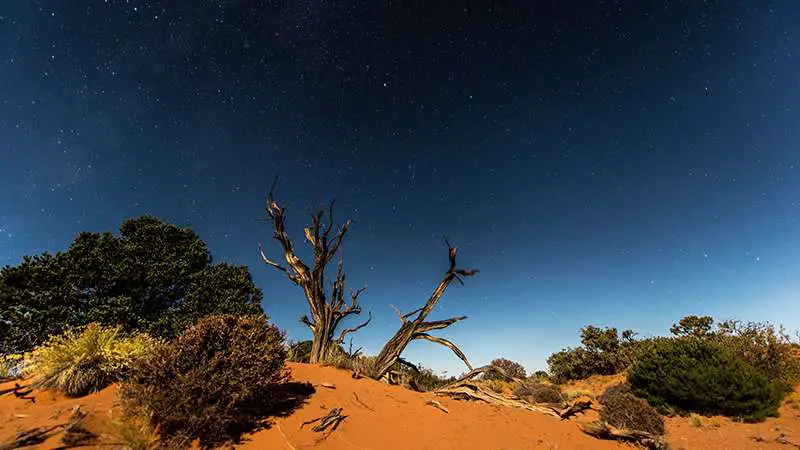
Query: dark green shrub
{"points": [[539, 393], [213, 382], [154, 277], [603, 352], [697, 375], [511, 368], [625, 410], [692, 326]]}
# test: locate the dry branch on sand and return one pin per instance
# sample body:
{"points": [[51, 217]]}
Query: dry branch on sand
{"points": [[602, 430], [465, 388], [19, 391], [330, 420]]}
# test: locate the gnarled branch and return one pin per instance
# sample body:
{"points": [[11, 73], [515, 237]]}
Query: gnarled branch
{"points": [[414, 325]]}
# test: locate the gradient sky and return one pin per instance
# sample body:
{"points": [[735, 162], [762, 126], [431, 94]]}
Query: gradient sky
{"points": [[611, 163]]}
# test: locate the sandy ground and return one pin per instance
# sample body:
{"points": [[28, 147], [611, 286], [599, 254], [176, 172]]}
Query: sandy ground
{"points": [[383, 417]]}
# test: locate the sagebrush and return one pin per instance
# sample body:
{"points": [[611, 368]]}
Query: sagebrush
{"points": [[213, 382]]}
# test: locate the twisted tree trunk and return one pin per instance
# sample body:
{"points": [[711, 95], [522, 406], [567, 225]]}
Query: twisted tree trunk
{"points": [[418, 328], [325, 313]]}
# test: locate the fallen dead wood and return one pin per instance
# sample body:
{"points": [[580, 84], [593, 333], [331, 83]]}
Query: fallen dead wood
{"points": [[330, 420], [602, 430], [465, 389]]}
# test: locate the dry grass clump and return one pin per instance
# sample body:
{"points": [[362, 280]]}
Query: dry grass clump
{"points": [[84, 360]]}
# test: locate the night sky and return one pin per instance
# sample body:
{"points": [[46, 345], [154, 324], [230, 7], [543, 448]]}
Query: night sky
{"points": [[614, 163]]}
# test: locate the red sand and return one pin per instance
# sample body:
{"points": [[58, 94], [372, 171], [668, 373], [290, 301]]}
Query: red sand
{"points": [[386, 417]]}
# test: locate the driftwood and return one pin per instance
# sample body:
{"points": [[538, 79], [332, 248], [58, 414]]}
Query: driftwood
{"points": [[602, 430], [326, 313], [464, 388], [19, 391], [413, 325], [40, 434], [330, 420]]}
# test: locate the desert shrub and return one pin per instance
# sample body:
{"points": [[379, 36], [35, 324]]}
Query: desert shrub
{"points": [[540, 393], [211, 383], [767, 348], [427, 380], [84, 360], [299, 352], [511, 368], [614, 390], [696, 326], [697, 375], [625, 410], [603, 352]]}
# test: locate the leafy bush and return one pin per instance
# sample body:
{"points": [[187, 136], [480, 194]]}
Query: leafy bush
{"points": [[153, 277], [603, 352], [84, 360], [693, 326], [625, 410], [697, 375], [767, 348], [540, 393], [511, 368], [299, 352], [213, 382]]}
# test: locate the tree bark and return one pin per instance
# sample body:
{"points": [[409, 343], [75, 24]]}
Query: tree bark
{"points": [[326, 313], [418, 328]]}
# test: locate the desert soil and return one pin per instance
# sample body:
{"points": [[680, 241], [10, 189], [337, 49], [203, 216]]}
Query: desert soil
{"points": [[383, 417]]}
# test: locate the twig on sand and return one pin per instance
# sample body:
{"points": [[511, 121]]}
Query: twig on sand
{"points": [[437, 405], [362, 403], [330, 420]]}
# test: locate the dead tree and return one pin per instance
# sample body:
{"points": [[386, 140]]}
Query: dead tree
{"points": [[418, 328], [326, 313]]}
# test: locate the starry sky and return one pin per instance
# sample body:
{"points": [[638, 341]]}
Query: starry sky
{"points": [[618, 163]]}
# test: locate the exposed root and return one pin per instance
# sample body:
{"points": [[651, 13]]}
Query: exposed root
{"points": [[602, 430]]}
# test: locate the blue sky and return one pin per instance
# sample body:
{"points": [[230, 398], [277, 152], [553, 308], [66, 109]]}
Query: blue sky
{"points": [[621, 166]]}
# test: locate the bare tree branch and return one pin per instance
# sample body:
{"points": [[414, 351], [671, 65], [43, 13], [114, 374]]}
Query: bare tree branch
{"points": [[416, 328], [347, 331], [326, 313], [447, 344]]}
